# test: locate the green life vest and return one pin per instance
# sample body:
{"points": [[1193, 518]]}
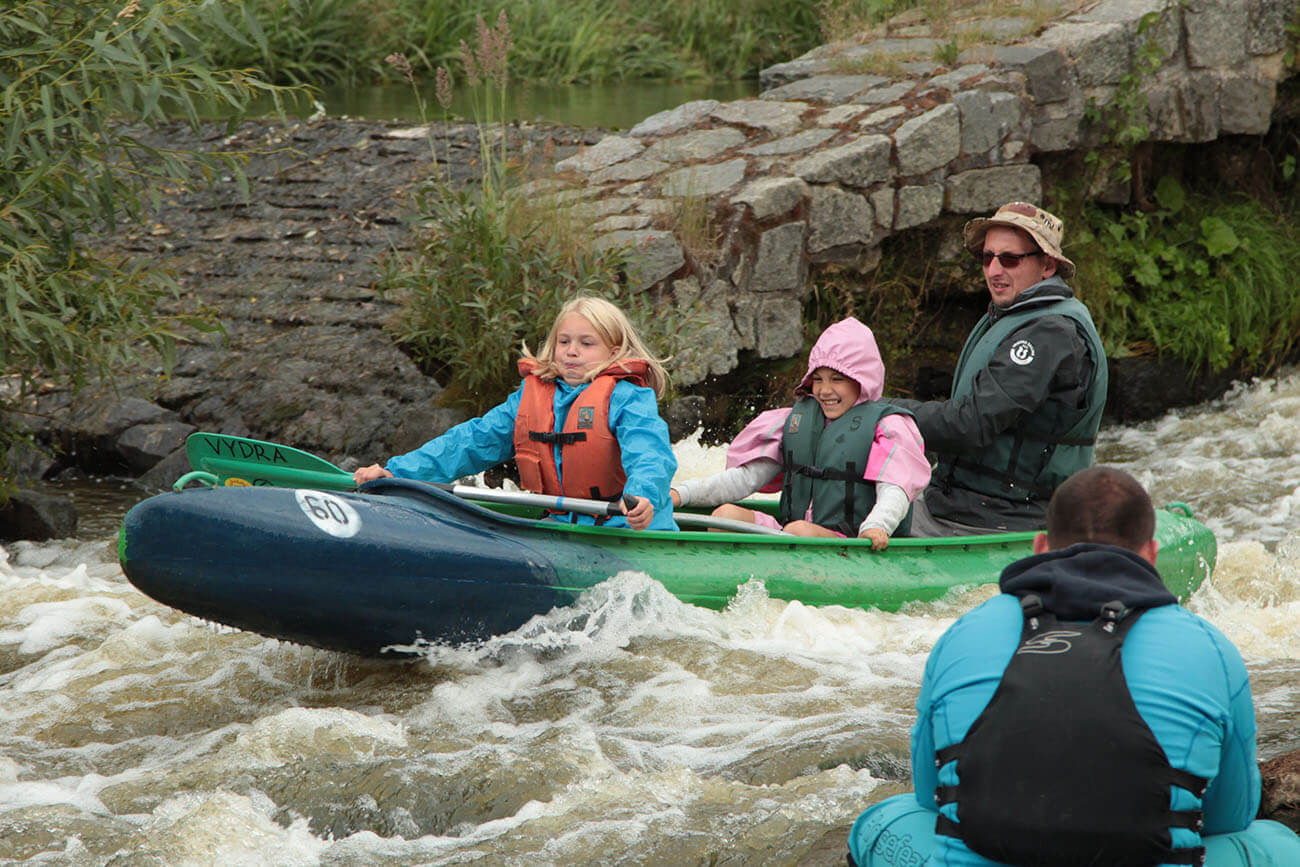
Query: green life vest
{"points": [[823, 465], [1029, 461]]}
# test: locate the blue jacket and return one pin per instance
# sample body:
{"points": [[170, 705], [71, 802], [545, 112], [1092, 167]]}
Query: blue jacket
{"points": [[1187, 679], [483, 442]]}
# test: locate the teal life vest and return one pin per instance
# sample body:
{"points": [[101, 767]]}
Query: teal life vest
{"points": [[1029, 461], [823, 465]]}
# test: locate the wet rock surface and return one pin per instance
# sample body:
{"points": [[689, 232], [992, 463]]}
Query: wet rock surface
{"points": [[1281, 789]]}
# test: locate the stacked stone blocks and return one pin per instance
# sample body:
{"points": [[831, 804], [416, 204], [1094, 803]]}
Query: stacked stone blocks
{"points": [[827, 162]]}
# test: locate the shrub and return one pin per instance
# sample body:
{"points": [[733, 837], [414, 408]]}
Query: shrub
{"points": [[71, 76], [1206, 280]]}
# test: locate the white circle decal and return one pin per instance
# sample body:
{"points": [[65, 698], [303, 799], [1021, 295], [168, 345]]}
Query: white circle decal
{"points": [[1022, 352], [331, 514]]}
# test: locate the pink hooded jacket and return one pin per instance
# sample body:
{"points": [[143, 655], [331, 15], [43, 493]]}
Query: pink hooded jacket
{"points": [[898, 452]]}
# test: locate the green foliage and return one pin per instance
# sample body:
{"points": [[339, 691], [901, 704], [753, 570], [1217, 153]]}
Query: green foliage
{"points": [[496, 263], [947, 52], [489, 276], [737, 38], [291, 41], [79, 84], [1123, 118], [1204, 280], [561, 41], [1291, 54]]}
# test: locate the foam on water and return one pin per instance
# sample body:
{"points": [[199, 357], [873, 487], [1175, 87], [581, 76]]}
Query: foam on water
{"points": [[1236, 460], [225, 828], [626, 724]]}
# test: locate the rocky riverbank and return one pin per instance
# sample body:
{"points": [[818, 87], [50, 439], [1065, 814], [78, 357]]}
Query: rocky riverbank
{"points": [[290, 274], [841, 152], [303, 357]]}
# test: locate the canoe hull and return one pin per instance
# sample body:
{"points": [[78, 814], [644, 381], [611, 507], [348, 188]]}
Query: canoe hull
{"points": [[403, 563]]}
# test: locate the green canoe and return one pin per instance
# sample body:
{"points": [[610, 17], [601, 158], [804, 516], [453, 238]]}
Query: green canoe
{"points": [[400, 562]]}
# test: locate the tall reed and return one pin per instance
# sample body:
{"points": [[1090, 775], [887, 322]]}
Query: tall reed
{"points": [[562, 41], [496, 260]]}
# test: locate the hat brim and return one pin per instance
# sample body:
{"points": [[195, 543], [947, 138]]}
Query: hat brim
{"points": [[977, 228]]}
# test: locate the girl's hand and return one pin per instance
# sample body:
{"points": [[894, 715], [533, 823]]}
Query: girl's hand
{"points": [[879, 538], [370, 473], [675, 497], [640, 515]]}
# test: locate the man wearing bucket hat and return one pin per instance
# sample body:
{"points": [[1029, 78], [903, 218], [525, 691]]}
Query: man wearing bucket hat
{"points": [[1028, 391]]}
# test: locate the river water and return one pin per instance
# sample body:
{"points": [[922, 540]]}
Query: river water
{"points": [[628, 729]]}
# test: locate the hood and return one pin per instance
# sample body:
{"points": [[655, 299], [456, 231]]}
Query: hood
{"points": [[1075, 582], [848, 347]]}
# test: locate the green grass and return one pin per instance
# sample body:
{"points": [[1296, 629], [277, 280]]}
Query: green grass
{"points": [[560, 41]]}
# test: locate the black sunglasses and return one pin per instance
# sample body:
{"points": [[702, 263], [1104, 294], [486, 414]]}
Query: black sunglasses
{"points": [[1006, 260]]}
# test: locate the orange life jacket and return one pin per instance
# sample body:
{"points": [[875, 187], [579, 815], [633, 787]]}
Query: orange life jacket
{"points": [[590, 454]]}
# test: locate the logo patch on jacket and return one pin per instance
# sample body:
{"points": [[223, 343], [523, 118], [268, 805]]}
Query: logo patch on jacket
{"points": [[586, 417], [1022, 352], [793, 424]]}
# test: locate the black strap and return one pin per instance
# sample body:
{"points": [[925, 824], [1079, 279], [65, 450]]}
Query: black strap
{"points": [[815, 472], [1034, 490], [850, 472], [1189, 781], [564, 439], [1194, 855]]}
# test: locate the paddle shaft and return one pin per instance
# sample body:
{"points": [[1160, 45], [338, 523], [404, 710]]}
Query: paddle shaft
{"points": [[599, 508]]}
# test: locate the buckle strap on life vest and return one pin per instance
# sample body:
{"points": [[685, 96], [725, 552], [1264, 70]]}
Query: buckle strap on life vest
{"points": [[1041, 492], [1011, 479], [564, 439], [821, 473], [849, 476]]}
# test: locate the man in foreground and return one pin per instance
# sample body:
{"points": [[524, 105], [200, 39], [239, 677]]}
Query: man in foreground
{"points": [[1082, 716], [1028, 391]]}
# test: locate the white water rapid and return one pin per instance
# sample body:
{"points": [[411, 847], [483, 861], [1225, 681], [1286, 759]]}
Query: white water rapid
{"points": [[628, 729]]}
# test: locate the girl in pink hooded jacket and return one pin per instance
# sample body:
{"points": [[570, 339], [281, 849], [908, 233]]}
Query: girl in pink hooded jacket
{"points": [[845, 462]]}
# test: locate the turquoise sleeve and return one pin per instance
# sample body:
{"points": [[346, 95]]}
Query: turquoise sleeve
{"points": [[469, 447]]}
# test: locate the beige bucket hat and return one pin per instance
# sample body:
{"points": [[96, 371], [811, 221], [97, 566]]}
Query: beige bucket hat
{"points": [[1046, 230]]}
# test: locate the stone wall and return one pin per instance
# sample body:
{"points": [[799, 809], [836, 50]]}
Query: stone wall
{"points": [[830, 161]]}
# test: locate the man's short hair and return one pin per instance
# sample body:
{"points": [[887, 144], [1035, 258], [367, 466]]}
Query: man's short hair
{"points": [[1101, 505]]}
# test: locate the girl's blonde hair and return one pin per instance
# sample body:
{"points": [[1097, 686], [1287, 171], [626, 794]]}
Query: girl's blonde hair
{"points": [[613, 327]]}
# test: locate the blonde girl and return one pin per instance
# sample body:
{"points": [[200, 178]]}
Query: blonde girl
{"points": [[584, 422]]}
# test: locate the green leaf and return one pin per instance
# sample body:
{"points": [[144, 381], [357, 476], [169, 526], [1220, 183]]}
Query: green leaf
{"points": [[1170, 195], [1218, 238], [1146, 272]]}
